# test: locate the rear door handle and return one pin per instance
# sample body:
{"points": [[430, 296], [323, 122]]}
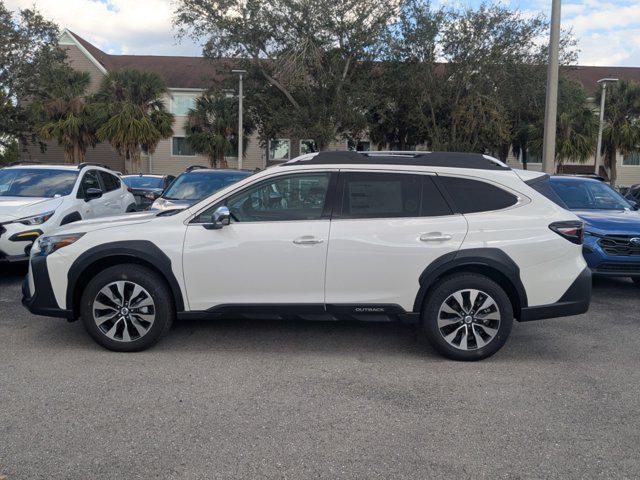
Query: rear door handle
{"points": [[307, 240], [435, 237]]}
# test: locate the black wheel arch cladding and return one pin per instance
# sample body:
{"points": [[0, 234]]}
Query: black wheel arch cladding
{"points": [[489, 259], [141, 252]]}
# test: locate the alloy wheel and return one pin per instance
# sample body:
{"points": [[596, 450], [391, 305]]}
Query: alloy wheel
{"points": [[469, 319], [124, 311]]}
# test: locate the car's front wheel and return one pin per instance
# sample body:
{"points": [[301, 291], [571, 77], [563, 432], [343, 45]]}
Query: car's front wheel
{"points": [[467, 316], [127, 308]]}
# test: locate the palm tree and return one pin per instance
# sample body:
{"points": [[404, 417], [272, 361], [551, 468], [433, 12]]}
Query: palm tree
{"points": [[576, 127], [134, 116], [212, 128], [621, 132], [67, 117]]}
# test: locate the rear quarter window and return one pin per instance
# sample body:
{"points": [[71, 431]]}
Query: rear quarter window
{"points": [[473, 196]]}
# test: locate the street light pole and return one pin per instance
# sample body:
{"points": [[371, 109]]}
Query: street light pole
{"points": [[551, 106], [240, 129], [603, 82]]}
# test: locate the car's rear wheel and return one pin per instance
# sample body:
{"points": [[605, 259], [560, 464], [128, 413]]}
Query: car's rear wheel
{"points": [[467, 316], [127, 308]]}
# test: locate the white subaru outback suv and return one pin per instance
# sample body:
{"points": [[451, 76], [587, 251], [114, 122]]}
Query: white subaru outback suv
{"points": [[36, 198], [457, 243]]}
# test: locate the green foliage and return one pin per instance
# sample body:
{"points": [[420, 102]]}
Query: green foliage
{"points": [[212, 127], [131, 113], [622, 123], [576, 126], [9, 153], [28, 52], [302, 57], [66, 116]]}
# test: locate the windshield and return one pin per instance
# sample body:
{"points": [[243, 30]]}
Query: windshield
{"points": [[34, 182], [198, 185], [144, 182], [588, 195]]}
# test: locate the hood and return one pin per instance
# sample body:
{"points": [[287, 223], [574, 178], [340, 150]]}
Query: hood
{"points": [[166, 204], [12, 208], [609, 222], [85, 226]]}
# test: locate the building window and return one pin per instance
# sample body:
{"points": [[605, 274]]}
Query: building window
{"points": [[532, 158], [181, 103], [180, 148], [279, 149], [632, 159], [307, 146], [358, 146]]}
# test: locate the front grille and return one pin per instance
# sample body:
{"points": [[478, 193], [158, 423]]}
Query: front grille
{"points": [[630, 267], [619, 245]]}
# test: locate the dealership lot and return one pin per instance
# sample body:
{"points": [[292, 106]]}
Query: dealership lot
{"points": [[280, 399]]}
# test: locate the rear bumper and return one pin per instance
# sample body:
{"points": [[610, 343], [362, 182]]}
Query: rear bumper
{"points": [[42, 301], [575, 301]]}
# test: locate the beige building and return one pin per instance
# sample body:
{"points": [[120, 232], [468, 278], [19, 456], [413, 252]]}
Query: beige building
{"points": [[188, 77]]}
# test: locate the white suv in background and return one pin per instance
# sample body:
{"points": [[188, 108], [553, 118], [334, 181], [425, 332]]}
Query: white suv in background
{"points": [[457, 243], [36, 198]]}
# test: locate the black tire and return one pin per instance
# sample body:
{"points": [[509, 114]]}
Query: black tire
{"points": [[636, 280], [132, 208], [484, 341], [153, 286]]}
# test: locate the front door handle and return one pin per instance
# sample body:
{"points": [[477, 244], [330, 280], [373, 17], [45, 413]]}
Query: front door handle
{"points": [[435, 237], [307, 240]]}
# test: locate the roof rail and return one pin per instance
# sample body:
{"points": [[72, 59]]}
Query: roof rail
{"points": [[91, 164], [195, 167], [476, 161]]}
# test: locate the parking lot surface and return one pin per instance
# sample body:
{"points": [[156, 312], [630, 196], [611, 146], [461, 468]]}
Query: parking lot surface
{"points": [[283, 399]]}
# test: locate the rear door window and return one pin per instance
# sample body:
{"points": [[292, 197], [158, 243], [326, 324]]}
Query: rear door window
{"points": [[389, 195]]}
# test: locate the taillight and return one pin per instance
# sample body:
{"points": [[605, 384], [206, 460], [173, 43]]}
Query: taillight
{"points": [[129, 189], [571, 230]]}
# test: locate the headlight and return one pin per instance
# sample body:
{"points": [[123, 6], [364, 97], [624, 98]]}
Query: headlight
{"points": [[47, 245], [35, 219]]}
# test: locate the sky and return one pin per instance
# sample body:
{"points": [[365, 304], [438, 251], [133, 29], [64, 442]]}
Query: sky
{"points": [[608, 32]]}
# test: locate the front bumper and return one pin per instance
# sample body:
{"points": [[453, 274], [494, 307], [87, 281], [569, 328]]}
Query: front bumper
{"points": [[16, 241], [42, 301], [606, 264], [575, 301]]}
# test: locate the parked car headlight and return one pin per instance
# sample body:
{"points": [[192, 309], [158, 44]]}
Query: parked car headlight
{"points": [[47, 245], [35, 219]]}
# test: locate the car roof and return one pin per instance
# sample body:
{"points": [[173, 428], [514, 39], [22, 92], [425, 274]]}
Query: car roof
{"points": [[40, 166], [572, 178], [218, 170], [138, 175]]}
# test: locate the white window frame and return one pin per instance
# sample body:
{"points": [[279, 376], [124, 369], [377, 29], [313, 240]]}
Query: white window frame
{"points": [[180, 156], [637, 153], [172, 95], [288, 140], [300, 144]]}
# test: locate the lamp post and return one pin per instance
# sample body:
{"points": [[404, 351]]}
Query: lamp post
{"points": [[603, 82], [240, 129], [551, 105]]}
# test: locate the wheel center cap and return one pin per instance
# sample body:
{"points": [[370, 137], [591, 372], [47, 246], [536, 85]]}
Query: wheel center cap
{"points": [[468, 319], [124, 311]]}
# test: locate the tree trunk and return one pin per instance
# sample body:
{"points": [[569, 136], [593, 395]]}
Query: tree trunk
{"points": [[223, 161], [613, 169], [525, 158]]}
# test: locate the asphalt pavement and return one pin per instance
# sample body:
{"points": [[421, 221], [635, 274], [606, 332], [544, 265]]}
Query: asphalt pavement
{"points": [[282, 399]]}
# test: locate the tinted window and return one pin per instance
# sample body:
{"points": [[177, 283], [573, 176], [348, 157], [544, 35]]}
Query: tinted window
{"points": [[109, 181], [588, 195], [90, 180], [290, 197], [388, 195], [544, 187], [200, 184], [144, 182], [472, 196], [33, 182]]}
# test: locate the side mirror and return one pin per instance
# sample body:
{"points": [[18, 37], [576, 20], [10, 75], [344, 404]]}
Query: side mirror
{"points": [[92, 194], [221, 217]]}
